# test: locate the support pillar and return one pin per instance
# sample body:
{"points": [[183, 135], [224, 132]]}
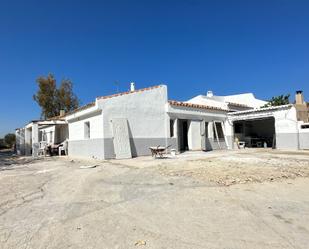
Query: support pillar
{"points": [[28, 141], [35, 140]]}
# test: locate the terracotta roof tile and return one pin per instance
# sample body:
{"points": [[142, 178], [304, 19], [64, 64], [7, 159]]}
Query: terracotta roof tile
{"points": [[128, 92], [238, 104], [186, 104]]}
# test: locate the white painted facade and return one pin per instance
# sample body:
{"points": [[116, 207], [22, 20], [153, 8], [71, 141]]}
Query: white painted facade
{"points": [[286, 124], [150, 116]]}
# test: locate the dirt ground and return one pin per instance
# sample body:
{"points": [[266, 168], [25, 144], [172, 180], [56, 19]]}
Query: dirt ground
{"points": [[252, 198]]}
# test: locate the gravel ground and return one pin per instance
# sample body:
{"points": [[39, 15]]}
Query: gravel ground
{"points": [[222, 199]]}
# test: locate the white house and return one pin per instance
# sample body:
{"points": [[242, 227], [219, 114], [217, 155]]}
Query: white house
{"points": [[125, 125]]}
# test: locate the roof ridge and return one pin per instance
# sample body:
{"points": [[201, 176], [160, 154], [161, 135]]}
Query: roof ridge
{"points": [[128, 92], [83, 107], [200, 106]]}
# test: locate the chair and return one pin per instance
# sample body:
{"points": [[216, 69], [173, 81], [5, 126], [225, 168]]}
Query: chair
{"points": [[63, 147], [42, 148]]}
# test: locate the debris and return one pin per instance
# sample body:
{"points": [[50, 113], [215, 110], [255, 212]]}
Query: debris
{"points": [[171, 183], [88, 167], [140, 243]]}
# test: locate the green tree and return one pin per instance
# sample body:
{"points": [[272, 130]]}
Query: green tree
{"points": [[2, 144], [52, 99], [66, 100], [278, 100], [10, 139]]}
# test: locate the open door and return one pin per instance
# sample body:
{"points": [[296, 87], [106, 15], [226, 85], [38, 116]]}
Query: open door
{"points": [[121, 138], [183, 127]]}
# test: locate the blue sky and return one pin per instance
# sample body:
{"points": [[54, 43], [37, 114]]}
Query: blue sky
{"points": [[192, 46]]}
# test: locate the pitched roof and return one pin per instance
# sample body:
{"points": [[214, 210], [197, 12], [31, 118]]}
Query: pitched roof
{"points": [[271, 108], [238, 104], [84, 107], [128, 92], [198, 106]]}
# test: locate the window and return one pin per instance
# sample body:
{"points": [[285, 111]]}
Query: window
{"points": [[87, 130], [172, 122], [219, 131]]}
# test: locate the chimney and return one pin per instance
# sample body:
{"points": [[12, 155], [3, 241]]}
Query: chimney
{"points": [[299, 98], [62, 113], [210, 94], [132, 87]]}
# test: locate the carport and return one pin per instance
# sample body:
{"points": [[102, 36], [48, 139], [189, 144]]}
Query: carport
{"points": [[255, 132]]}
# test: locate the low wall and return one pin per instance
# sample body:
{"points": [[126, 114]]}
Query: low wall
{"points": [[212, 144], [139, 146], [304, 141], [287, 141], [88, 148]]}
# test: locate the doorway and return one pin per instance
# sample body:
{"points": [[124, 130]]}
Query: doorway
{"points": [[256, 132], [183, 127]]}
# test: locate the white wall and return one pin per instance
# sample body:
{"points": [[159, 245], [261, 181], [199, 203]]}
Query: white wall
{"points": [[285, 124], [145, 112], [76, 126], [20, 141], [195, 116], [286, 127], [50, 133], [303, 137]]}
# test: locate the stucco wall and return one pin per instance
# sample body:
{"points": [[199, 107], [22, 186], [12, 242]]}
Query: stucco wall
{"points": [[286, 128], [79, 145], [90, 148], [49, 133], [195, 116], [147, 119], [304, 139], [285, 125], [77, 125], [20, 141]]}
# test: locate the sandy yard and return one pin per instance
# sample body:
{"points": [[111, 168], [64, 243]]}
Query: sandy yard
{"points": [[221, 199]]}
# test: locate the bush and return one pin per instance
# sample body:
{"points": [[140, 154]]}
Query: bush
{"points": [[10, 139]]}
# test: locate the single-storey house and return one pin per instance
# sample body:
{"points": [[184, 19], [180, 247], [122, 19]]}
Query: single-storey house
{"points": [[126, 124]]}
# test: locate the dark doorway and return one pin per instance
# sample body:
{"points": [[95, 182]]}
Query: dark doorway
{"points": [[256, 132], [183, 134]]}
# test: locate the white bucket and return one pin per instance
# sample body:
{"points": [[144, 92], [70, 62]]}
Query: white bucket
{"points": [[173, 152]]}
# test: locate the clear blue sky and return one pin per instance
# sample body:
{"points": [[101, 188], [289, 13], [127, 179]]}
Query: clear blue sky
{"points": [[190, 45]]}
